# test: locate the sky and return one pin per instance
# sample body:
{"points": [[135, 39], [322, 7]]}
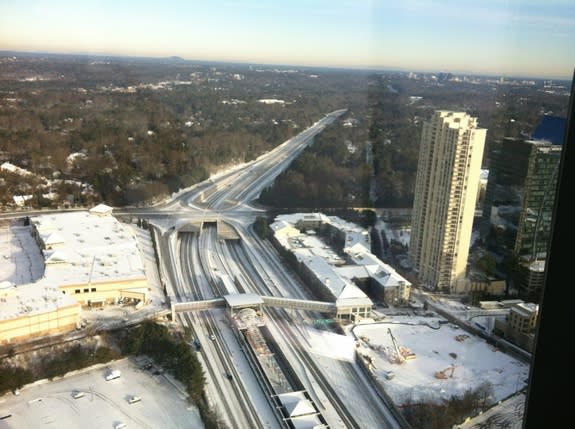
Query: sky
{"points": [[501, 37]]}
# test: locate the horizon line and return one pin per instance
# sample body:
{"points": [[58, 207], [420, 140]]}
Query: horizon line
{"points": [[287, 64]]}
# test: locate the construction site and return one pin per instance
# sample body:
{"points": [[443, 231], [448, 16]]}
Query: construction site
{"points": [[429, 359]]}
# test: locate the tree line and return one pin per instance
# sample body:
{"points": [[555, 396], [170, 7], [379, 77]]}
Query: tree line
{"points": [[132, 131], [369, 158]]}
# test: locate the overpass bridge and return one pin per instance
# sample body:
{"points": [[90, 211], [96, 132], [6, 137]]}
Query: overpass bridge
{"points": [[225, 231]]}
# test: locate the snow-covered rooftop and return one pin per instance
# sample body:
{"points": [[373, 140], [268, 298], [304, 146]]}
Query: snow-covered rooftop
{"points": [[32, 299], [101, 209], [271, 101], [324, 262], [80, 247], [243, 299], [526, 308], [329, 277], [87, 247], [7, 166], [384, 274]]}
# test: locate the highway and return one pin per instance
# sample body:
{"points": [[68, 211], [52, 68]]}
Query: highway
{"points": [[192, 265]]}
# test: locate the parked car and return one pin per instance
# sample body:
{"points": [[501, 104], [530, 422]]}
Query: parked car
{"points": [[113, 374], [134, 399]]}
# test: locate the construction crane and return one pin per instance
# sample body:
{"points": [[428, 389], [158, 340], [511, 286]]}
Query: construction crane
{"points": [[443, 373], [399, 358]]}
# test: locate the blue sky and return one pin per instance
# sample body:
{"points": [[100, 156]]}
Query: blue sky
{"points": [[502, 37]]}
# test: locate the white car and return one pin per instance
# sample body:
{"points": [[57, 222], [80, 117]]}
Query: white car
{"points": [[113, 375], [134, 399]]}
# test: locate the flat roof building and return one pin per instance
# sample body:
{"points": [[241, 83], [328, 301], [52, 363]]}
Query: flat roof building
{"points": [[88, 258], [335, 255], [91, 256], [35, 310]]}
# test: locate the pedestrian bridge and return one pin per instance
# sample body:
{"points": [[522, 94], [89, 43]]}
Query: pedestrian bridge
{"points": [[245, 300]]}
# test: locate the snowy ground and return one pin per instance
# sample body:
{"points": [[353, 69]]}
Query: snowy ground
{"points": [[104, 404], [20, 257], [437, 346], [434, 343]]}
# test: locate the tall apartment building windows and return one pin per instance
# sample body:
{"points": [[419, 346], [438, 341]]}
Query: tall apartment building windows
{"points": [[519, 202], [446, 189], [534, 227], [520, 195]]}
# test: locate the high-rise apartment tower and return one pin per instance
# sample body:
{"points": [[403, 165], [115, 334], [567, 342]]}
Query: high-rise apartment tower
{"points": [[446, 189], [519, 203], [520, 197]]}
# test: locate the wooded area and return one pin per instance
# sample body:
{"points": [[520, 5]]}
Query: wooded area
{"points": [[126, 131]]}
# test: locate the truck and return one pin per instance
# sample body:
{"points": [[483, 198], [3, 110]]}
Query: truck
{"points": [[113, 375]]}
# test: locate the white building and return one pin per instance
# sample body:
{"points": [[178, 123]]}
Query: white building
{"points": [[91, 256], [337, 255], [89, 259]]}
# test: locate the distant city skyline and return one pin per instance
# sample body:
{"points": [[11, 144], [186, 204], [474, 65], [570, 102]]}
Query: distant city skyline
{"points": [[521, 38]]}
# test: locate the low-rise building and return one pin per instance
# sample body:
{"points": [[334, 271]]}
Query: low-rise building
{"points": [[523, 318], [520, 324], [91, 256], [89, 259], [32, 310], [334, 258]]}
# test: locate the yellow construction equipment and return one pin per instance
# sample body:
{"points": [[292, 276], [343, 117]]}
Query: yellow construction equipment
{"points": [[443, 374], [402, 353], [369, 361], [406, 353]]}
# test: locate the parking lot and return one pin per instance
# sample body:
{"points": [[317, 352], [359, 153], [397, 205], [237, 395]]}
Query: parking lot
{"points": [[86, 399]]}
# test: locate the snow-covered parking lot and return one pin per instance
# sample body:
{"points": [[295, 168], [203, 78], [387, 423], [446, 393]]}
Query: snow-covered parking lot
{"points": [[104, 404]]}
